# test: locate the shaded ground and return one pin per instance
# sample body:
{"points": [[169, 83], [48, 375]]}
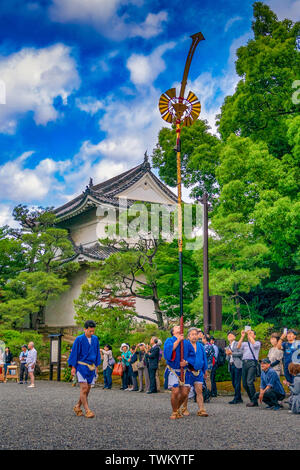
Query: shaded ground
{"points": [[42, 418]]}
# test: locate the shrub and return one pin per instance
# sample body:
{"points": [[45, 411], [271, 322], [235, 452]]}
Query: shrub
{"points": [[222, 374], [66, 375], [15, 339]]}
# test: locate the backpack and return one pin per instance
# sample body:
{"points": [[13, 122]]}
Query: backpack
{"points": [[221, 357]]}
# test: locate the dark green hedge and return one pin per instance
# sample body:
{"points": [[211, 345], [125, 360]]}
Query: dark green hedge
{"points": [[222, 374]]}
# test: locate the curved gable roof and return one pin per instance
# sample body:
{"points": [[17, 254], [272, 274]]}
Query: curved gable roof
{"points": [[107, 191]]}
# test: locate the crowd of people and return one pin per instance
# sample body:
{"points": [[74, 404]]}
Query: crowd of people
{"points": [[201, 358], [192, 376], [27, 362], [140, 364]]}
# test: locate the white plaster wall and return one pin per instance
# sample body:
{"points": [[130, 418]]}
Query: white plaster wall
{"points": [[60, 312], [146, 189], [145, 307], [85, 234]]}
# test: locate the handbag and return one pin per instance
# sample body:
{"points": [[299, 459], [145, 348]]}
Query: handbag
{"points": [[257, 364], [134, 366], [111, 362], [141, 363], [118, 369]]}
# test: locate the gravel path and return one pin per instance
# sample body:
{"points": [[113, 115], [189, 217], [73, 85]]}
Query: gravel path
{"points": [[42, 418]]}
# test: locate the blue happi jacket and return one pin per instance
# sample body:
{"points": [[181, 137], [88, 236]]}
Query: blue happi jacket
{"points": [[83, 351]]}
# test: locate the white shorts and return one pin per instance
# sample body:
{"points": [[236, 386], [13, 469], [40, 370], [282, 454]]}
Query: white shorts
{"points": [[82, 380], [30, 368], [173, 380]]}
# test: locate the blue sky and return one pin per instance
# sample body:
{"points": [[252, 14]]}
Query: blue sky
{"points": [[83, 80]]}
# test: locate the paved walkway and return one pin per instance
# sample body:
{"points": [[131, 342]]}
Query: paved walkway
{"points": [[42, 418]]}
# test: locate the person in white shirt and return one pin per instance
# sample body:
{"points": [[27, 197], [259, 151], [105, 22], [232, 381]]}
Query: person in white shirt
{"points": [[30, 363], [250, 350]]}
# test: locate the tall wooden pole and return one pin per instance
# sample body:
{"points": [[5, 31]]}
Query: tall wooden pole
{"points": [[206, 319], [180, 108], [179, 205]]}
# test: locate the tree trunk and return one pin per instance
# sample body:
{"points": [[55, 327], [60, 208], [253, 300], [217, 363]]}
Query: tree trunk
{"points": [[40, 318], [157, 309]]}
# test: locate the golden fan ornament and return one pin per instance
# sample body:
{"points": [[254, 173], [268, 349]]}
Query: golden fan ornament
{"points": [[171, 106]]}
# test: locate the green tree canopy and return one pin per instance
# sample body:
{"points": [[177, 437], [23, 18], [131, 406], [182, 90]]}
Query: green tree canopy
{"points": [[268, 66], [200, 158], [42, 274], [252, 175], [12, 256]]}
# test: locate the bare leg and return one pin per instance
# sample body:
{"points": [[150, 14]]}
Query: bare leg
{"points": [[31, 375], [84, 391], [200, 401], [184, 393], [199, 394], [175, 398], [184, 406]]}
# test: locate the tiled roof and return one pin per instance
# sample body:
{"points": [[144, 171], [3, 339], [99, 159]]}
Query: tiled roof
{"points": [[95, 252], [107, 191]]}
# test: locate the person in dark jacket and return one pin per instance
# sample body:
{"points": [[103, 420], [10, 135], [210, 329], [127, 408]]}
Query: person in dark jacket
{"points": [[133, 373], [8, 357], [271, 390], [152, 358], [23, 368]]}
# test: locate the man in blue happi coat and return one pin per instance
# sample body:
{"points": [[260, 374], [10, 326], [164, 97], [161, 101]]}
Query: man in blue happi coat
{"points": [[84, 360], [196, 371], [172, 356]]}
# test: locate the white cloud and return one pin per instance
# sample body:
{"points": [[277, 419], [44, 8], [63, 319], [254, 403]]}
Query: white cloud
{"points": [[145, 69], [6, 217], [104, 63], [285, 9], [103, 16], [84, 11], [106, 169], [89, 104], [21, 184], [33, 79], [231, 22], [131, 125], [206, 87], [89, 162], [130, 129], [151, 27]]}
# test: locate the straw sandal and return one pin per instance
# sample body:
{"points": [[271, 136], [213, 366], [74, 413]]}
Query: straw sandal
{"points": [[176, 415], [78, 410], [89, 414], [201, 413], [184, 411]]}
